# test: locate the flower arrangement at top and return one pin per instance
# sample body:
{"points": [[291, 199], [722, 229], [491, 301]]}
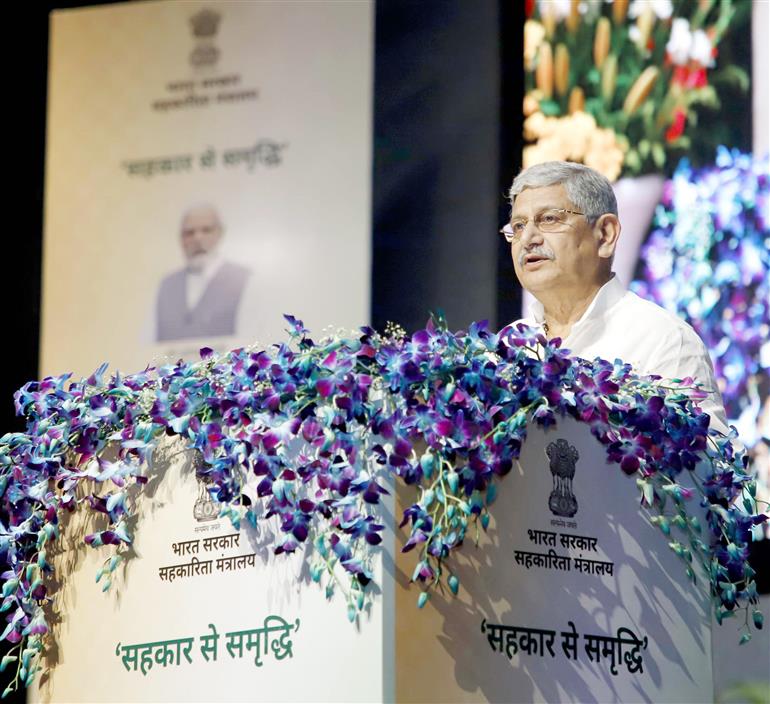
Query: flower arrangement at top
{"points": [[446, 413], [614, 86]]}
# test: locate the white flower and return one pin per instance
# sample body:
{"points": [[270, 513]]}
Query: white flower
{"points": [[701, 48], [661, 8], [590, 7], [680, 41], [558, 9]]}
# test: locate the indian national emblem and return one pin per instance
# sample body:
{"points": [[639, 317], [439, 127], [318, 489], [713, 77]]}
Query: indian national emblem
{"points": [[563, 457], [205, 508], [204, 28]]}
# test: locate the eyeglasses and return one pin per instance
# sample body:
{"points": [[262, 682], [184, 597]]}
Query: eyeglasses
{"points": [[550, 220]]}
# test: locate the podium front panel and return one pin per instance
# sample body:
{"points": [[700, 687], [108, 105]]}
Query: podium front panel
{"points": [[571, 595], [203, 612]]}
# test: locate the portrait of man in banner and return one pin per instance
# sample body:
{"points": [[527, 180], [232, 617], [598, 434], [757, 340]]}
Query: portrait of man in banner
{"points": [[204, 298]]}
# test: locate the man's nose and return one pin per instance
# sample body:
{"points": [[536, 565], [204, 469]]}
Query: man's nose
{"points": [[531, 235]]}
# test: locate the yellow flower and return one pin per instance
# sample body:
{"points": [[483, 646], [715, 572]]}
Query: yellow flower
{"points": [[545, 150], [574, 137], [561, 69], [531, 104], [544, 70], [537, 126], [604, 153], [640, 89], [601, 41], [573, 133], [577, 99], [619, 10], [534, 33]]}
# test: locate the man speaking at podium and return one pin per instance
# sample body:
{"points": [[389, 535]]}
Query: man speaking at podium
{"points": [[563, 232]]}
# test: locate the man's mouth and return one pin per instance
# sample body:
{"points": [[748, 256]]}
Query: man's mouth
{"points": [[535, 258]]}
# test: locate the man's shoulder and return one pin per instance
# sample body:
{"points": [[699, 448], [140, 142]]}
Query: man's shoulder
{"points": [[234, 269], [645, 314]]}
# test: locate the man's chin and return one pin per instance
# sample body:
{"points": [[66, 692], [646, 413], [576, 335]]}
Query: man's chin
{"points": [[534, 279], [197, 262]]}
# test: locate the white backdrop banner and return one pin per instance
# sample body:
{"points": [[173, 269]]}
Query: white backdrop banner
{"points": [[208, 169]]}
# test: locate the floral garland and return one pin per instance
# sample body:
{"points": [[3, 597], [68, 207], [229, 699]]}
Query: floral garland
{"points": [[708, 261], [445, 412]]}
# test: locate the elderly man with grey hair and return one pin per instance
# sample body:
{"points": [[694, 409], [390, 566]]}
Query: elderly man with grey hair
{"points": [[563, 232]]}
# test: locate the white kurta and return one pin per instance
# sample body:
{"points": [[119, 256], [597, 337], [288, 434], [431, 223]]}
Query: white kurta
{"points": [[620, 325]]}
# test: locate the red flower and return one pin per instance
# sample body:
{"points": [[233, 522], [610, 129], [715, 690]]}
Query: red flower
{"points": [[529, 8], [677, 126], [693, 76]]}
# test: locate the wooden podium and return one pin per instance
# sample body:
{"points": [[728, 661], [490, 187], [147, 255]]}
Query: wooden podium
{"points": [[571, 595]]}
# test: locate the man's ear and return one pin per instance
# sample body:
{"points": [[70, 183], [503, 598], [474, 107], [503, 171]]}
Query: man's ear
{"points": [[607, 230]]}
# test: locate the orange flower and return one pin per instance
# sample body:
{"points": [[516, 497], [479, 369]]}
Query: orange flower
{"points": [[544, 70], [561, 69], [601, 41], [640, 90], [619, 10], [577, 100]]}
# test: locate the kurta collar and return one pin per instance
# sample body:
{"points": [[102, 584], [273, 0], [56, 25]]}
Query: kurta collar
{"points": [[606, 297]]}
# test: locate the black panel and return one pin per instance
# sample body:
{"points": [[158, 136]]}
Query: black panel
{"points": [[436, 136]]}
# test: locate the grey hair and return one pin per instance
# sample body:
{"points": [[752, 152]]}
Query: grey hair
{"points": [[588, 190]]}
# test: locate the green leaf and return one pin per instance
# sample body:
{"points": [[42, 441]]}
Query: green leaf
{"points": [[732, 75], [632, 161], [550, 108], [706, 96], [658, 155], [683, 142]]}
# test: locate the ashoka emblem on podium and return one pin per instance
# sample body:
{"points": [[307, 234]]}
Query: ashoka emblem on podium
{"points": [[563, 458]]}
